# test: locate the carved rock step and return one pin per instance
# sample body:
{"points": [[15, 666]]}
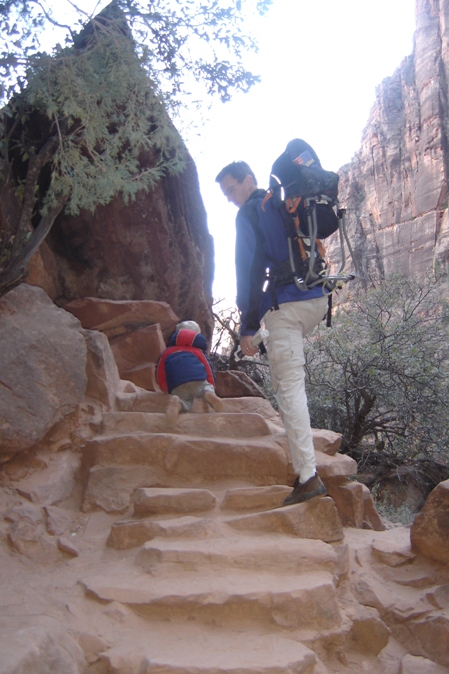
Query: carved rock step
{"points": [[152, 401], [118, 465], [161, 501], [131, 533], [254, 498], [167, 500], [306, 601], [167, 449], [199, 425], [188, 649], [317, 519], [274, 553], [181, 455]]}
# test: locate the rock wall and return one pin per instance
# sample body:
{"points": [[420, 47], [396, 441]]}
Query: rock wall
{"points": [[395, 188], [156, 248]]}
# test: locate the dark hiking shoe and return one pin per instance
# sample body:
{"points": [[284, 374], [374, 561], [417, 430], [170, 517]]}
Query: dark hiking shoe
{"points": [[304, 492]]}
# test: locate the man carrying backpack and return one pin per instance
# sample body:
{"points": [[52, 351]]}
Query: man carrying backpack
{"points": [[287, 312]]}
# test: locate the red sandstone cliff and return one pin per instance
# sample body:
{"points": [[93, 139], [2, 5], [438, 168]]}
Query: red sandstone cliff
{"points": [[395, 188], [156, 248]]}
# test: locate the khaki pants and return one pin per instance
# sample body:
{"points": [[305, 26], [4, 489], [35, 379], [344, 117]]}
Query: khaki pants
{"points": [[287, 328], [189, 391]]}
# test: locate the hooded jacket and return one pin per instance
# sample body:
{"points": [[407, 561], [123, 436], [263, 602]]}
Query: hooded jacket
{"points": [[261, 240]]}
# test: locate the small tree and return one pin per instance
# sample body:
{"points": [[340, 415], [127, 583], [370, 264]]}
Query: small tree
{"points": [[78, 121], [380, 375], [226, 340]]}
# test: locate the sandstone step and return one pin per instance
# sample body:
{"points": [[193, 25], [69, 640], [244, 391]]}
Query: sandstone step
{"points": [[131, 533], [317, 518], [154, 501], [275, 553], [300, 601], [199, 425], [338, 465], [165, 500], [191, 649], [118, 465], [428, 637], [255, 498], [143, 401], [189, 455], [395, 603], [150, 401]]}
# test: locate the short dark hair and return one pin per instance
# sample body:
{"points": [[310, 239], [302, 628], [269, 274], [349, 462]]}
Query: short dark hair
{"points": [[238, 170]]}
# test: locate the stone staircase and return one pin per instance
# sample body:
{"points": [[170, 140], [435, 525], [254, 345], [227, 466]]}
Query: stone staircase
{"points": [[219, 576], [173, 555]]}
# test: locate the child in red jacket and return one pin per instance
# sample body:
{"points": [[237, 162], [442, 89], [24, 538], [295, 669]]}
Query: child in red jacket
{"points": [[184, 371]]}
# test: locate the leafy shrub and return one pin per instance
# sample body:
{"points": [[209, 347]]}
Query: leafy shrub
{"points": [[380, 376]]}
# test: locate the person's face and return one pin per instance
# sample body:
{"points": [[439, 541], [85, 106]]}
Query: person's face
{"points": [[237, 191]]}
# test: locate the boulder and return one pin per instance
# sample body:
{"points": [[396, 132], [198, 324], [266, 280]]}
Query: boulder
{"points": [[58, 520], [28, 537], [348, 499], [236, 384], [117, 317], [415, 664], [43, 359], [156, 247], [138, 347], [354, 503], [325, 441], [371, 518], [36, 649], [143, 376], [369, 634], [103, 379], [54, 482], [429, 534]]}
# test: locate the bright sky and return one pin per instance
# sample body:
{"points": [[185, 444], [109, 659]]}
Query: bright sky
{"points": [[320, 62]]}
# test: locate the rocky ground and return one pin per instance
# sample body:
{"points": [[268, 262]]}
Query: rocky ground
{"points": [[165, 549]]}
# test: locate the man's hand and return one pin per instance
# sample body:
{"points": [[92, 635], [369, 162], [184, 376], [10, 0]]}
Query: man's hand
{"points": [[246, 347]]}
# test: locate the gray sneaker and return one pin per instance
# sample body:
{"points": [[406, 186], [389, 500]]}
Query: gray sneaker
{"points": [[304, 492], [214, 401]]}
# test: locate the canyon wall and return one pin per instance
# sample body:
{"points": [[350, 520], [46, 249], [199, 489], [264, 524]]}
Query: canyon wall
{"points": [[395, 187], [155, 248]]}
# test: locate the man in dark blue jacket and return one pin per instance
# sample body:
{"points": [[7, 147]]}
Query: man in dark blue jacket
{"points": [[287, 312], [184, 371]]}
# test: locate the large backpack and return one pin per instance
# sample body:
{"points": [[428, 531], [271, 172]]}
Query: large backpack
{"points": [[307, 198]]}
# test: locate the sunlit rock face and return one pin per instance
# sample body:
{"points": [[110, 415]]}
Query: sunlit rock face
{"points": [[155, 248], [395, 188]]}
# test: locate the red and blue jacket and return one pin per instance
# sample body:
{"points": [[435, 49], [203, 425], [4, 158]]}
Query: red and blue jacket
{"points": [[184, 360]]}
